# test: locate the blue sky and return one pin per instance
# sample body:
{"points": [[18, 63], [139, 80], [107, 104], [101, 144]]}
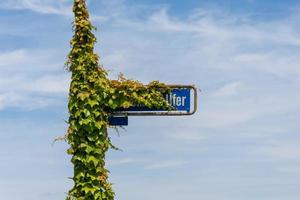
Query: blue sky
{"points": [[243, 143]]}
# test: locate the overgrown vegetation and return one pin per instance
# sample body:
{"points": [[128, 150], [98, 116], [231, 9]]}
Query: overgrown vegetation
{"points": [[92, 98]]}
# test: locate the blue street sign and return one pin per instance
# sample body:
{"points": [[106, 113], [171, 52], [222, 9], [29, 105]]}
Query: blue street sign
{"points": [[182, 98], [179, 99]]}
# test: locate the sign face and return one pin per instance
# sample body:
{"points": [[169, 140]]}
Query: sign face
{"points": [[180, 98]]}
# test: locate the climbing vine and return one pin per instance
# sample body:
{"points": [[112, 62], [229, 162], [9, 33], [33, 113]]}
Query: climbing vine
{"points": [[92, 99]]}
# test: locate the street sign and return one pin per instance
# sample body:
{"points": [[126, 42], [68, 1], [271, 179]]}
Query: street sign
{"points": [[183, 98]]}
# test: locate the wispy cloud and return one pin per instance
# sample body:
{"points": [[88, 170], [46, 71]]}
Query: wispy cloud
{"points": [[25, 101], [48, 84], [30, 61], [148, 164], [26, 81], [192, 136], [220, 41], [283, 150], [229, 89], [166, 164], [58, 7], [214, 23], [124, 161]]}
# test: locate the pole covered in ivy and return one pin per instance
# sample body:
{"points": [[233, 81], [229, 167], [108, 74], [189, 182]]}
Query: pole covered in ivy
{"points": [[92, 97], [87, 133]]}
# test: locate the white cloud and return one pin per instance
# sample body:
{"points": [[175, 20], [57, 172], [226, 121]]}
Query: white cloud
{"points": [[124, 161], [218, 25], [215, 24], [251, 57], [26, 76], [186, 136], [166, 164], [225, 117], [12, 58], [162, 20], [46, 190], [186, 48], [287, 150], [229, 89], [30, 61], [59, 7], [149, 164], [25, 101], [48, 84]]}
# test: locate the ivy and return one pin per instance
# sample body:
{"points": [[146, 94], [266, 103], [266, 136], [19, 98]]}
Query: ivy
{"points": [[92, 99]]}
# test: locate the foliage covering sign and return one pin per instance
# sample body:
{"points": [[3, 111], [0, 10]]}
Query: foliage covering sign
{"points": [[92, 96]]}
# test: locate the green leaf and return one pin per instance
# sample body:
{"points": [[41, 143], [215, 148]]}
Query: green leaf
{"points": [[92, 160], [83, 95], [92, 103], [70, 151]]}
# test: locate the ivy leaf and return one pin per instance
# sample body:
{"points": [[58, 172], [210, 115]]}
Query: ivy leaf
{"points": [[89, 149], [70, 151], [126, 104], [85, 121], [83, 95], [93, 161], [92, 103]]}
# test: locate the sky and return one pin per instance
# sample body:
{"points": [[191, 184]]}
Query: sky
{"points": [[242, 144]]}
